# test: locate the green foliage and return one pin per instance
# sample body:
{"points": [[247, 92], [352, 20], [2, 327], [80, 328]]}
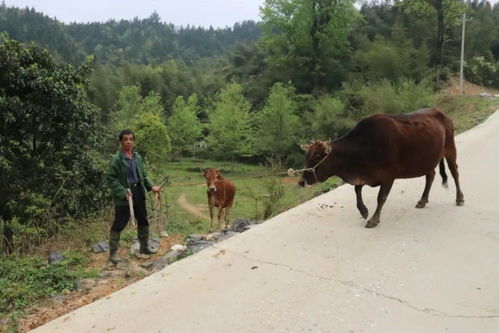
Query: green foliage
{"points": [[277, 124], [329, 119], [307, 41], [446, 14], [47, 131], [152, 104], [230, 123], [25, 280], [386, 97], [184, 126], [128, 106], [480, 71], [152, 137]]}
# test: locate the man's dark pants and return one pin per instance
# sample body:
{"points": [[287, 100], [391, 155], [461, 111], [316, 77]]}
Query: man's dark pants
{"points": [[122, 213]]}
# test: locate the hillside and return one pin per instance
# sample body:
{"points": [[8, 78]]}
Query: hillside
{"points": [[138, 41]]}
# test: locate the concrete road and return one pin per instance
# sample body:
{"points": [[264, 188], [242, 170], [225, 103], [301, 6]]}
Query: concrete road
{"points": [[316, 268]]}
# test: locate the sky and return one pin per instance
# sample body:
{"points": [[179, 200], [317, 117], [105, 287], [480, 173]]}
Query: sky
{"points": [[217, 13]]}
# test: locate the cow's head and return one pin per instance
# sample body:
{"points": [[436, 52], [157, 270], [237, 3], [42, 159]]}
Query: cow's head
{"points": [[211, 176], [316, 164]]}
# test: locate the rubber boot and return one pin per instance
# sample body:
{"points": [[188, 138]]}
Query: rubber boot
{"points": [[143, 235], [114, 244]]}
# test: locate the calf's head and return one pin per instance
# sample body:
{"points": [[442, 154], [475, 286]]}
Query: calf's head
{"points": [[211, 176], [317, 167]]}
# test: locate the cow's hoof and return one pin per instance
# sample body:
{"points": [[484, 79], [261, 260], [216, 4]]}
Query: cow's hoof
{"points": [[371, 224], [421, 204], [459, 202], [364, 213]]}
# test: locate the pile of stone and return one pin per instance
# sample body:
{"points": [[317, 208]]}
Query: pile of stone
{"points": [[198, 242]]}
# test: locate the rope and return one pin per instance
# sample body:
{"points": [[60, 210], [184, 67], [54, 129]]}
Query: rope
{"points": [[235, 178]]}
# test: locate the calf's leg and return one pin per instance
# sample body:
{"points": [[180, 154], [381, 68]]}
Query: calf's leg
{"points": [[360, 204], [211, 214], [227, 214], [220, 216], [424, 198], [382, 195]]}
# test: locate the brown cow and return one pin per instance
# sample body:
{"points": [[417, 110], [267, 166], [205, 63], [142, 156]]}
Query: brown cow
{"points": [[382, 148], [221, 194]]}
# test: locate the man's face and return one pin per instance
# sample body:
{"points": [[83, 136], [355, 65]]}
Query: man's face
{"points": [[127, 142]]}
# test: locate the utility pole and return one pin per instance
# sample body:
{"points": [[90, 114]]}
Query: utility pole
{"points": [[461, 76]]}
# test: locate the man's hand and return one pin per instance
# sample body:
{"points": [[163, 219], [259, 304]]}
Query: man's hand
{"points": [[156, 189]]}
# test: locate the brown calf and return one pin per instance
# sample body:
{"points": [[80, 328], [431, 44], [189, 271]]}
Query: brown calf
{"points": [[382, 148], [221, 194]]}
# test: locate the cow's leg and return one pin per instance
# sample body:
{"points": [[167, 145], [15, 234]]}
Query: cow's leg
{"points": [[382, 195], [360, 204], [424, 198], [450, 156]]}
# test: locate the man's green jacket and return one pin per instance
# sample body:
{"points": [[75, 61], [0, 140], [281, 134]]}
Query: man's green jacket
{"points": [[117, 177]]}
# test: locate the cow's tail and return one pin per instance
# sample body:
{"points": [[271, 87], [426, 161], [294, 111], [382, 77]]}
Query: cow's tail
{"points": [[442, 173]]}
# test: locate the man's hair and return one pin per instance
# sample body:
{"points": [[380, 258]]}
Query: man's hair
{"points": [[125, 132]]}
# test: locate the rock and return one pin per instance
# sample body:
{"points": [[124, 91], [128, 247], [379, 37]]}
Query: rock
{"points": [[154, 245], [251, 226], [163, 234], [135, 248], [115, 273], [86, 284], [55, 257], [149, 265], [228, 235], [100, 247], [178, 247], [166, 260], [239, 225], [215, 236], [194, 238], [201, 245], [134, 270], [59, 299]]}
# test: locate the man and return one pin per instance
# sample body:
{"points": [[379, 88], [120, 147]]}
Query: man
{"points": [[127, 177]]}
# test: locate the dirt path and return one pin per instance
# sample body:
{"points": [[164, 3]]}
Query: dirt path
{"points": [[192, 209]]}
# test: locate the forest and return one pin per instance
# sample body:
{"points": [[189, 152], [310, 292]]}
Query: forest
{"points": [[242, 95]]}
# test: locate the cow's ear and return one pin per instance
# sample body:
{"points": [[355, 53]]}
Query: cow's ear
{"points": [[327, 146], [203, 171], [305, 147]]}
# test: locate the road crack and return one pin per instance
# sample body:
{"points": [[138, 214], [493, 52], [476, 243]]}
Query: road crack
{"points": [[351, 284]]}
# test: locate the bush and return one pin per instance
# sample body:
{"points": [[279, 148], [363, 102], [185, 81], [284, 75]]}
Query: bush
{"points": [[24, 280], [385, 97], [480, 71], [329, 120]]}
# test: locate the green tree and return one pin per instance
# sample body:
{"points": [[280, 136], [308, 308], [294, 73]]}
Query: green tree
{"points": [[47, 129], [307, 41], [152, 104], [278, 125], [328, 119], [127, 108], [229, 126], [446, 13], [184, 126], [152, 138]]}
